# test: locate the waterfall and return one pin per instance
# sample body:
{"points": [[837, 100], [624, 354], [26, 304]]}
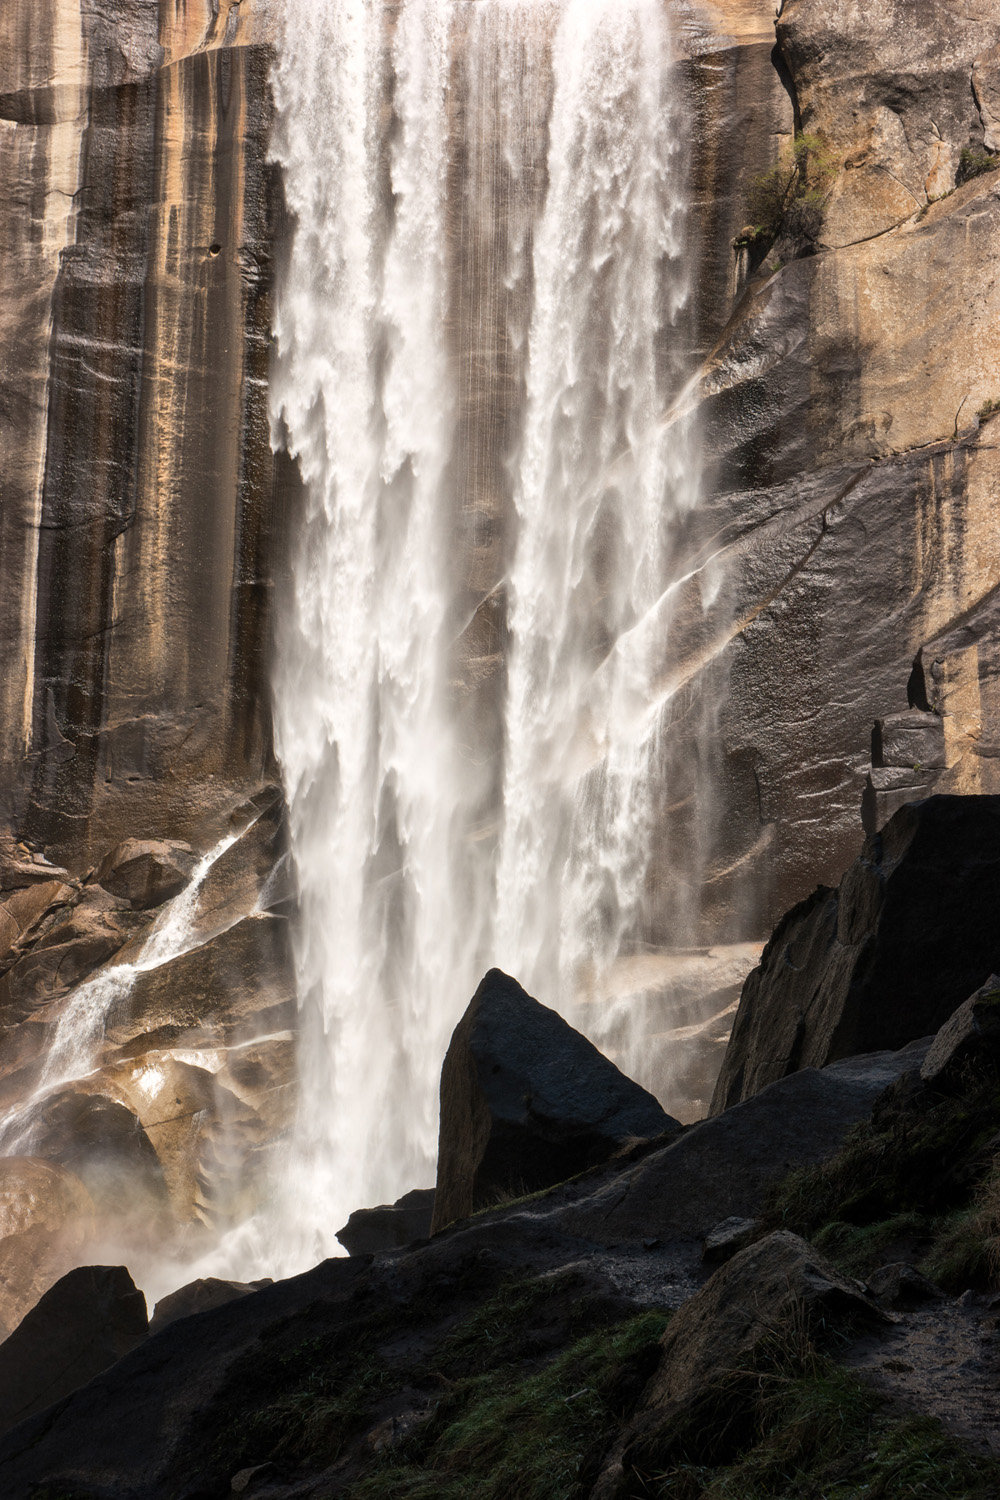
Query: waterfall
{"points": [[476, 340]]}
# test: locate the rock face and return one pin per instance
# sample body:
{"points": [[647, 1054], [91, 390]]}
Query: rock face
{"points": [[91, 1317], [198, 1296], [140, 508], [390, 1226], [723, 1168], [146, 872], [885, 958], [526, 1101]]}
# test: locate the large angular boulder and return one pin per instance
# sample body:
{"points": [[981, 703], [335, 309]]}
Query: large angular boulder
{"points": [[83, 1324], [884, 959], [755, 1314], [147, 872], [526, 1102], [69, 946], [390, 1226]]}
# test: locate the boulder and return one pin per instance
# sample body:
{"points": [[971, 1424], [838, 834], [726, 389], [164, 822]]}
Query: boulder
{"points": [[723, 1168], [755, 1313], [70, 946], [21, 910], [83, 1324], [390, 1226], [726, 1238], [902, 1285], [968, 1038], [146, 872], [526, 1102], [882, 960], [197, 1297]]}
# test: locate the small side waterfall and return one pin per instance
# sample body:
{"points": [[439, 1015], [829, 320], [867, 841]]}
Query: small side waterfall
{"points": [[477, 340]]}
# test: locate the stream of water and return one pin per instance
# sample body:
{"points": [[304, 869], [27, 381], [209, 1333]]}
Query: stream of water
{"points": [[476, 341]]}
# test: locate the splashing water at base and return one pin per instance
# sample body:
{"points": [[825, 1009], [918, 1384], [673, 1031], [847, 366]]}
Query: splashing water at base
{"points": [[475, 336], [74, 1050]]}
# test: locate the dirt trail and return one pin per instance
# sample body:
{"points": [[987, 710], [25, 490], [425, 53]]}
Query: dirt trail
{"points": [[942, 1360]]}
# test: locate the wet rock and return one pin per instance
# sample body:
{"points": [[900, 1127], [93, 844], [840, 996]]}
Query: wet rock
{"points": [[722, 1168], [969, 1038], [254, 874], [526, 1102], [239, 984], [146, 872], [46, 1222], [199, 1296], [20, 910], [390, 1226], [80, 938], [103, 1143], [83, 1324], [757, 1312], [885, 958]]}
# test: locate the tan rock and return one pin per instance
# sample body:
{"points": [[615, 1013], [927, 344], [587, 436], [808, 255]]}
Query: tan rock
{"points": [[46, 1223]]}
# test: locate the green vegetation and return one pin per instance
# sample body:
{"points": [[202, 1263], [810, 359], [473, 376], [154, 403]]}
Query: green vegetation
{"points": [[788, 198], [988, 409], [823, 1436], [538, 1436], [920, 1176], [972, 163]]}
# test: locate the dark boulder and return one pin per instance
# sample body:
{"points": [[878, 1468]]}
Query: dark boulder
{"points": [[526, 1102], [198, 1297], [88, 1320], [390, 1226], [755, 1312], [147, 872], [885, 958]]}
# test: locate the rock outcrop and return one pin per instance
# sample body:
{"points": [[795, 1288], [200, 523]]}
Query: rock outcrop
{"points": [[751, 1319], [90, 1319], [146, 872], [526, 1101], [391, 1225], [885, 958]]}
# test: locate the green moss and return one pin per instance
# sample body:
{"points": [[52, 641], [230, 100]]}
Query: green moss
{"points": [[537, 1436], [825, 1437]]}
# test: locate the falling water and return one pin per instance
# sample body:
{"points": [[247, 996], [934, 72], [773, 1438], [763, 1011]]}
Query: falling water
{"points": [[475, 349], [74, 1052]]}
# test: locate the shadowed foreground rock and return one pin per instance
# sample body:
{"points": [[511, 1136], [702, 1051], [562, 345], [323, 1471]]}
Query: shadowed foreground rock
{"points": [[746, 1318], [884, 959], [389, 1226], [526, 1102], [83, 1324]]}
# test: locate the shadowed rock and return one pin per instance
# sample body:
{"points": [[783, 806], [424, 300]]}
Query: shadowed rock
{"points": [[723, 1167], [754, 1313], [970, 1037], [83, 1324], [526, 1102], [885, 958], [147, 872], [198, 1297], [390, 1226]]}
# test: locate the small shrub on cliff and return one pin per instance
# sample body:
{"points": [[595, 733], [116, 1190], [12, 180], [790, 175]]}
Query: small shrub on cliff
{"points": [[788, 199], [972, 163]]}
